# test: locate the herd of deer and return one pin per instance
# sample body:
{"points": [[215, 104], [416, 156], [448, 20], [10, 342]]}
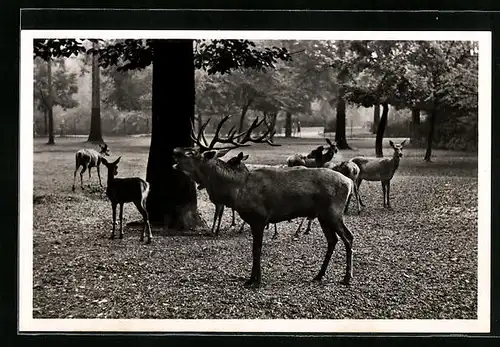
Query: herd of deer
{"points": [[310, 186]]}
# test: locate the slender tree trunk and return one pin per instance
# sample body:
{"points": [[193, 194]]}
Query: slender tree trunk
{"points": [[172, 201], [46, 122], [288, 124], [376, 118], [95, 135], [381, 129], [430, 137], [272, 123], [340, 124], [50, 103], [200, 120], [244, 110], [415, 127]]}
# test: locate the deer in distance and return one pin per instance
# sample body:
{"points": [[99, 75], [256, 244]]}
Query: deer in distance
{"points": [[271, 195], [88, 158], [129, 189], [379, 169], [310, 160]]}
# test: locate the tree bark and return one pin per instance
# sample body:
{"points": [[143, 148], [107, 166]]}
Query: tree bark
{"points": [[340, 136], [244, 110], [415, 127], [95, 135], [288, 124], [376, 118], [172, 201], [430, 136], [50, 103], [46, 122], [381, 130]]}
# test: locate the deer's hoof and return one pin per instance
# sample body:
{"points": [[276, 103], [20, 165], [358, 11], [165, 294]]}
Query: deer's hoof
{"points": [[73, 188], [112, 237], [148, 241], [317, 278]]}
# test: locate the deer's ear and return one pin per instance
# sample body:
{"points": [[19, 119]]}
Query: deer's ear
{"points": [[209, 154], [117, 160], [245, 157], [104, 161], [329, 142], [403, 143], [391, 143], [240, 155]]}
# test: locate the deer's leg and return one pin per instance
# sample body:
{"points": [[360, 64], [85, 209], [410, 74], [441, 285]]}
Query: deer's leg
{"points": [[219, 217], [347, 238], [218, 207], [275, 235], [99, 175], [84, 167], [141, 207], [233, 221], [121, 220], [113, 207], [308, 229], [358, 183], [356, 196], [300, 226], [242, 227], [255, 276], [328, 227], [388, 192], [74, 178], [383, 190]]}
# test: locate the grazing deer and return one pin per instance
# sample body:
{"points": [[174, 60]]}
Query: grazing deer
{"points": [[271, 195], [309, 160], [88, 158], [379, 169], [122, 190]]}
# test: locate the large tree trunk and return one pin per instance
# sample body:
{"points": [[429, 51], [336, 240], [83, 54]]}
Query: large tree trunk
{"points": [[430, 136], [288, 124], [172, 201], [244, 110], [340, 136], [381, 130], [415, 127], [95, 134], [376, 118], [50, 103]]}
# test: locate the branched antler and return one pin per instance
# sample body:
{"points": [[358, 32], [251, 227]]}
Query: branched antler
{"points": [[233, 139]]}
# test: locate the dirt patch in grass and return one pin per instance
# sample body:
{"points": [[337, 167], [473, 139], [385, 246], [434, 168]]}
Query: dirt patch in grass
{"points": [[416, 261]]}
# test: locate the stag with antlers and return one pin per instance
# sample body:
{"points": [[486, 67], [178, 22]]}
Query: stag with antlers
{"points": [[271, 195]]}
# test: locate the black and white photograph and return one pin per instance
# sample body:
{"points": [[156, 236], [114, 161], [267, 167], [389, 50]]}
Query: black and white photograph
{"points": [[255, 181]]}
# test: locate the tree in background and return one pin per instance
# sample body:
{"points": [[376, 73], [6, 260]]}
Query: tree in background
{"points": [[53, 87], [95, 134]]}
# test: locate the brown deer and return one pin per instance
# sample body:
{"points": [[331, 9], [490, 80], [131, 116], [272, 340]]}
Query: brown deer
{"points": [[122, 190], [309, 160], [271, 195], [88, 158], [379, 169]]}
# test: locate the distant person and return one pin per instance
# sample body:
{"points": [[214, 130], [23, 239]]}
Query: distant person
{"points": [[298, 128]]}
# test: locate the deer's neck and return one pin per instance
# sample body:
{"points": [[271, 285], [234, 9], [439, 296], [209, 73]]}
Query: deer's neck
{"points": [[222, 182], [395, 162]]}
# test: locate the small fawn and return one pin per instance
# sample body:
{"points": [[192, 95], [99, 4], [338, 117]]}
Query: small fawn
{"points": [[122, 190]]}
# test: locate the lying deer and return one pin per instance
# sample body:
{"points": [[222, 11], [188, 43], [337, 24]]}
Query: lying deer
{"points": [[309, 160], [271, 195], [379, 169], [88, 158], [122, 190]]}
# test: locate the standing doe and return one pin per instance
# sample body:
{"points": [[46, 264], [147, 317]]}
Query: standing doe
{"points": [[122, 190], [88, 158], [271, 195], [379, 169]]}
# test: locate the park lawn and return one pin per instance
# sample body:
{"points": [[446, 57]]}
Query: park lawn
{"points": [[416, 261]]}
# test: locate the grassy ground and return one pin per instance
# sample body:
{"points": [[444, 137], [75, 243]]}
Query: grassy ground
{"points": [[417, 261]]}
